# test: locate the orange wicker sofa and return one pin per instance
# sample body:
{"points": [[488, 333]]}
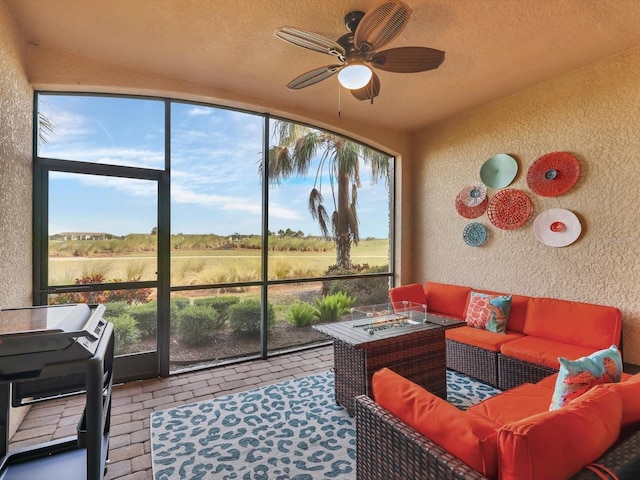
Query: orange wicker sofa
{"points": [[538, 331], [407, 432]]}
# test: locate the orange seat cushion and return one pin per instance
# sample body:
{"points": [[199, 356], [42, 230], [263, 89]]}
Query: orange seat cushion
{"points": [[448, 300], [542, 351], [584, 324], [548, 382], [481, 338], [470, 438], [555, 445], [514, 404]]}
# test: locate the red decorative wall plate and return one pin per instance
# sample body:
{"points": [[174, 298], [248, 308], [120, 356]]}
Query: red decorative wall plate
{"points": [[467, 211], [553, 174], [509, 209]]}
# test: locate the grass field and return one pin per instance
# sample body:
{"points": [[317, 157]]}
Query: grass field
{"points": [[206, 266]]}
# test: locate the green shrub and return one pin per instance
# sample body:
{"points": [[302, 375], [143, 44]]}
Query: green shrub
{"points": [[146, 315], [332, 307], [301, 314], [176, 305], [179, 303], [219, 304], [125, 332], [367, 291], [244, 317], [115, 309], [197, 324]]}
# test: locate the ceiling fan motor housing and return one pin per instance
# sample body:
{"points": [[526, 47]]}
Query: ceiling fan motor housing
{"points": [[352, 20]]}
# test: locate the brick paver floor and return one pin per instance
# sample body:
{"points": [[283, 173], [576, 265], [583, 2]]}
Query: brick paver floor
{"points": [[132, 404]]}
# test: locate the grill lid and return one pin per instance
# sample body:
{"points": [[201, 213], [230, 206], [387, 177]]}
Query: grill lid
{"points": [[39, 329]]}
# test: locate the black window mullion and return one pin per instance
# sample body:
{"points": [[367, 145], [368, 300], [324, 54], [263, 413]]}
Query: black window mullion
{"points": [[164, 253]]}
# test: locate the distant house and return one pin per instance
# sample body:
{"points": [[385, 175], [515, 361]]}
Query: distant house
{"points": [[66, 236]]}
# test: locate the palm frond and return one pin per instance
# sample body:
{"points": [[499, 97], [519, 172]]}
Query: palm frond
{"points": [[315, 202], [323, 220], [335, 224], [380, 165], [354, 229], [348, 159], [304, 150], [286, 133], [281, 164], [46, 127]]}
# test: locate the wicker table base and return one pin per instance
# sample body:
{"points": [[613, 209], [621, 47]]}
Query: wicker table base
{"points": [[415, 353]]}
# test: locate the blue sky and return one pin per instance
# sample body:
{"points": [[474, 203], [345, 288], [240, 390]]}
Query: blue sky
{"points": [[215, 186]]}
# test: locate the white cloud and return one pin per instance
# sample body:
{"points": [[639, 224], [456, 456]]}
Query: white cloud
{"points": [[199, 111], [67, 124], [277, 211]]}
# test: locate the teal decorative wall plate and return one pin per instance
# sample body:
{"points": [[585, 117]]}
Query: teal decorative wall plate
{"points": [[499, 171]]}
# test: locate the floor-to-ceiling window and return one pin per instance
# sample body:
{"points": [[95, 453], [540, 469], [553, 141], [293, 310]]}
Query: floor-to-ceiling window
{"points": [[211, 234]]}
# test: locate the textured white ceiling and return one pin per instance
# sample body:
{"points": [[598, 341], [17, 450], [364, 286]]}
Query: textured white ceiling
{"points": [[493, 47]]}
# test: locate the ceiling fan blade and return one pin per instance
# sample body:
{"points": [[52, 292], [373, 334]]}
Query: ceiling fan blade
{"points": [[381, 25], [369, 91], [312, 41], [314, 76], [408, 59]]}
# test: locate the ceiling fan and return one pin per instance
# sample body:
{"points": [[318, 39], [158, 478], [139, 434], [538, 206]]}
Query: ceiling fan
{"points": [[357, 50]]}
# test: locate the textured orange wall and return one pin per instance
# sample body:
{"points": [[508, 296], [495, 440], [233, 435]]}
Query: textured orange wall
{"points": [[594, 113]]}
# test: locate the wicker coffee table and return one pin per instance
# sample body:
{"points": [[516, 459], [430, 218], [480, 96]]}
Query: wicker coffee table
{"points": [[408, 341]]}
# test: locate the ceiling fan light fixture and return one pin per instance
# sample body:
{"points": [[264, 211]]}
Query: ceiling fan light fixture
{"points": [[354, 76]]}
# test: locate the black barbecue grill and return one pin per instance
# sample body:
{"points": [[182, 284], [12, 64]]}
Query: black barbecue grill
{"points": [[31, 338], [46, 352]]}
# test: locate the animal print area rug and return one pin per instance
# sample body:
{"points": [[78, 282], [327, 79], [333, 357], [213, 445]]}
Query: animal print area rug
{"points": [[287, 431]]}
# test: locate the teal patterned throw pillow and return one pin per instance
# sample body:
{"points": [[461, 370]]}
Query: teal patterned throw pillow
{"points": [[575, 377]]}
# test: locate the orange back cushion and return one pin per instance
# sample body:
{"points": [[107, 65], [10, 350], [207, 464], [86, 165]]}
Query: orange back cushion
{"points": [[448, 300], [629, 392], [556, 445], [584, 324], [469, 437], [413, 292]]}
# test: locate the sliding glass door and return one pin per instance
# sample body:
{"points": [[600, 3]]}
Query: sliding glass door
{"points": [[96, 217]]}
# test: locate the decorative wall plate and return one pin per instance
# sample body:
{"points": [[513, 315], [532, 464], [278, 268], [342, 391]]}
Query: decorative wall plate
{"points": [[475, 234], [509, 209], [473, 195], [470, 212], [499, 171], [553, 174], [557, 227]]}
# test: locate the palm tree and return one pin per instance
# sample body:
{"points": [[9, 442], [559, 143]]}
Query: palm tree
{"points": [[339, 161]]}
